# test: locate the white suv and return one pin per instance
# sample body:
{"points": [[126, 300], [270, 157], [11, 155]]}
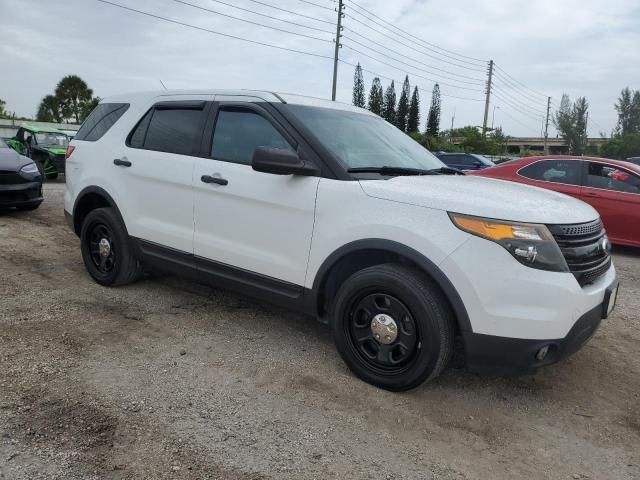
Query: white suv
{"points": [[329, 210]]}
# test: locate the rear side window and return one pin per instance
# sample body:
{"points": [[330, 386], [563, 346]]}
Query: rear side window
{"points": [[101, 119], [556, 171], [239, 132], [609, 177], [171, 130]]}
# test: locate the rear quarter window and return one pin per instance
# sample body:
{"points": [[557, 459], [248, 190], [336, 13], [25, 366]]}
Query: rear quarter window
{"points": [[101, 119]]}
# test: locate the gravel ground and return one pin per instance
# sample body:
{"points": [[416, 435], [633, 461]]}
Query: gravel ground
{"points": [[169, 379]]}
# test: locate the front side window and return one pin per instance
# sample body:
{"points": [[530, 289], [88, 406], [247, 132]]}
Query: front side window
{"points": [[465, 160], [173, 130], [609, 177], [239, 132], [555, 171], [359, 140]]}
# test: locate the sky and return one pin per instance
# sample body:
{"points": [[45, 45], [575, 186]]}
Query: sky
{"points": [[541, 48]]}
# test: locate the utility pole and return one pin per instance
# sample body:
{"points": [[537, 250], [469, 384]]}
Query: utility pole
{"points": [[335, 54], [546, 128], [453, 117], [487, 100]]}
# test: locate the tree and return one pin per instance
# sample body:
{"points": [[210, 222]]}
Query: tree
{"points": [[433, 120], [359, 99], [413, 119], [571, 122], [88, 107], [49, 110], [376, 97], [403, 105], [73, 93], [628, 108], [389, 107]]}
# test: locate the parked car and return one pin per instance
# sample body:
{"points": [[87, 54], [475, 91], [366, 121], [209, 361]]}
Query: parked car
{"points": [[465, 161], [634, 160], [612, 187], [46, 146], [20, 180], [330, 210]]}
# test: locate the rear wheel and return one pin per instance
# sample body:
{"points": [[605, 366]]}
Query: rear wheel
{"points": [[106, 251], [392, 326]]}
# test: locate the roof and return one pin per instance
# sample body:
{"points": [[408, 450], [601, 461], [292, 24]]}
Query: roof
{"points": [[35, 129], [618, 163], [251, 95]]}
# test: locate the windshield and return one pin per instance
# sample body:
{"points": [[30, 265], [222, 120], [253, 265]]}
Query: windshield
{"points": [[359, 140], [54, 139], [484, 160]]}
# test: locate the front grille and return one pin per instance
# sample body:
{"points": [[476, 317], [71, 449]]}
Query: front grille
{"points": [[585, 249], [10, 178]]}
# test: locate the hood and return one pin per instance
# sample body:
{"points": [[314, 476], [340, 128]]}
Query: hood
{"points": [[483, 197], [11, 161]]}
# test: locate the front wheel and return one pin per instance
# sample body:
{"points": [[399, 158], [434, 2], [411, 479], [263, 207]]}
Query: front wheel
{"points": [[392, 326], [106, 250]]}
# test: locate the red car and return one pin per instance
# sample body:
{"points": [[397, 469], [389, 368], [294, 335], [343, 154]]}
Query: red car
{"points": [[612, 187]]}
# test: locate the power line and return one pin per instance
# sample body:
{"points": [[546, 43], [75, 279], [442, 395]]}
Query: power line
{"points": [[520, 83], [516, 89], [518, 121], [408, 72], [371, 72], [517, 108], [475, 68], [316, 5], [477, 82], [418, 38], [176, 22], [525, 106], [252, 22], [265, 4], [272, 17]]}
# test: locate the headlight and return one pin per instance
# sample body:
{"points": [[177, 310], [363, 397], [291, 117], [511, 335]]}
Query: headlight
{"points": [[29, 170], [531, 244]]}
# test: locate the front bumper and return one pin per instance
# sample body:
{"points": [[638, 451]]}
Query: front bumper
{"points": [[21, 194], [493, 355]]}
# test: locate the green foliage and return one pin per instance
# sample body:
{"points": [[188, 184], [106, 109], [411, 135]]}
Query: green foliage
{"points": [[73, 94], [88, 107], [571, 122], [433, 120], [413, 119], [376, 97], [49, 110], [389, 107], [468, 139], [628, 108], [402, 113], [622, 146], [358, 97]]}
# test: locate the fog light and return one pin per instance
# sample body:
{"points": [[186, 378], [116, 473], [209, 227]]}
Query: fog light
{"points": [[542, 353]]}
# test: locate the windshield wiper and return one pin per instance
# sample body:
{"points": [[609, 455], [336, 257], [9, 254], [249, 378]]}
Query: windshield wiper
{"points": [[447, 171], [393, 170]]}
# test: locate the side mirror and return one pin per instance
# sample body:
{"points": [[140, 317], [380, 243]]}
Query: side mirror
{"points": [[281, 162]]}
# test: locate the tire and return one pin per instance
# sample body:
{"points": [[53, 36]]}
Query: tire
{"points": [[26, 208], [423, 341], [115, 263]]}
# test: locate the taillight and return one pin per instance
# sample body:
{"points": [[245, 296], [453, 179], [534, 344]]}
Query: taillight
{"points": [[70, 150]]}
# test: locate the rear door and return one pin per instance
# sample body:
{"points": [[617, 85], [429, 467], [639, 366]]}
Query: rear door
{"points": [[560, 175], [155, 167], [253, 222], [615, 193]]}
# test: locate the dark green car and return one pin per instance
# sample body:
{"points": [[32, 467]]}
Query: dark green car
{"points": [[46, 146]]}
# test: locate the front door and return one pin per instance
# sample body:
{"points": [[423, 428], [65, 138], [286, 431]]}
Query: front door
{"points": [[615, 193], [257, 223]]}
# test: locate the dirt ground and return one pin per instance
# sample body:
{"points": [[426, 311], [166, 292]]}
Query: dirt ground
{"points": [[169, 379]]}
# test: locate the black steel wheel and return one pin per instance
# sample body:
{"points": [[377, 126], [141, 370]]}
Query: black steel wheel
{"points": [[392, 326], [106, 249]]}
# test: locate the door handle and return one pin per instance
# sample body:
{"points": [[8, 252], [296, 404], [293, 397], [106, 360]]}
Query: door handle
{"points": [[212, 179], [122, 163]]}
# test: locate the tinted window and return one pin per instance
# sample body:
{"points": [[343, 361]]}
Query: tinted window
{"points": [[611, 178], [466, 160], [174, 130], [136, 138], [239, 132], [100, 121], [556, 171]]}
